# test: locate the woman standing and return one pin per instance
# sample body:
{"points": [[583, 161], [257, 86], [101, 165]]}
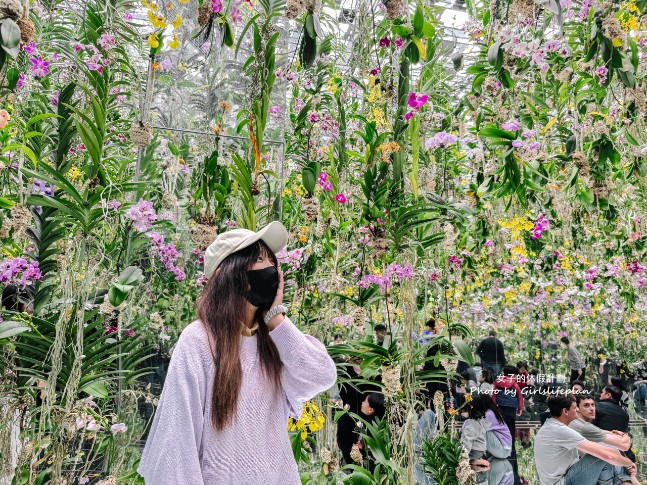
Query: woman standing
{"points": [[236, 375]]}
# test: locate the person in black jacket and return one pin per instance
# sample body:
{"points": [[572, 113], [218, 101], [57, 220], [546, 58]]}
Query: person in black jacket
{"points": [[352, 395], [492, 354], [609, 416], [438, 383]]}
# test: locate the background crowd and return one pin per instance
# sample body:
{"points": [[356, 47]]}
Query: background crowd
{"points": [[577, 423]]}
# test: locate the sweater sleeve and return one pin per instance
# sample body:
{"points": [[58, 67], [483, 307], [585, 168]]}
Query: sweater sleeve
{"points": [[472, 433], [172, 452], [519, 396], [307, 367], [468, 435]]}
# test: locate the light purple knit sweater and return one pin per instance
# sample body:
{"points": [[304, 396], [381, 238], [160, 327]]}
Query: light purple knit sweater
{"points": [[183, 448]]}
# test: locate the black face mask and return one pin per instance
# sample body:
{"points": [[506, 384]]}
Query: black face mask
{"points": [[264, 285]]}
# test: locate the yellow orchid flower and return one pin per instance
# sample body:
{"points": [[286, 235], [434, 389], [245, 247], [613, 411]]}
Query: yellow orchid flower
{"points": [[184, 1], [173, 44], [153, 41], [149, 5], [177, 21], [158, 21]]}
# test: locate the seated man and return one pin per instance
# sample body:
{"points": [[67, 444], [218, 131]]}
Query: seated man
{"points": [[609, 415], [557, 446], [583, 424]]}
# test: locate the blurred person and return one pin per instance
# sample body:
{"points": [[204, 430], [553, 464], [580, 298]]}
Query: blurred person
{"points": [[380, 335], [577, 387], [609, 415], [619, 382], [507, 395], [603, 368], [468, 383], [524, 378], [578, 372], [639, 371], [492, 354], [556, 451], [16, 300], [486, 382]]}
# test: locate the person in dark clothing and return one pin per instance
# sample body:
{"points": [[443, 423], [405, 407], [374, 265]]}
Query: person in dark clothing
{"points": [[575, 361], [438, 383], [374, 406], [507, 395], [492, 354], [639, 373], [352, 397], [380, 334], [619, 382], [16, 300], [373, 410], [609, 416], [578, 387], [603, 368], [524, 377]]}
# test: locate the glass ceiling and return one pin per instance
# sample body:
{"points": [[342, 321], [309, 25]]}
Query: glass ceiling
{"points": [[192, 81]]}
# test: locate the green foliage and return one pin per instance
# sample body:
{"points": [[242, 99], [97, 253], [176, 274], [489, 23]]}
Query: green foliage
{"points": [[128, 279], [310, 177], [440, 458], [213, 187]]}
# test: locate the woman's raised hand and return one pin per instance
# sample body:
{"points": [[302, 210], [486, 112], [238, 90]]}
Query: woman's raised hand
{"points": [[276, 320]]}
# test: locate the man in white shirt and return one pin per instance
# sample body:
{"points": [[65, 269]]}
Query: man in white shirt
{"points": [[557, 446]]}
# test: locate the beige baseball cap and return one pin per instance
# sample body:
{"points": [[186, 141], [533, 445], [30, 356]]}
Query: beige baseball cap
{"points": [[274, 235]]}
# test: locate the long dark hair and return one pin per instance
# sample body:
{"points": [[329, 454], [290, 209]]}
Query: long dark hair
{"points": [[487, 376], [480, 404], [222, 309]]}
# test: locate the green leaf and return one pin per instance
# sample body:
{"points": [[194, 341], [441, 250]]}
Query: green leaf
{"points": [[627, 78], [571, 144], [573, 178], [116, 296], [55, 178], [5, 203], [309, 180], [428, 31], [412, 53], [319, 32], [402, 31], [310, 26], [506, 79], [11, 328], [251, 22], [476, 69], [10, 34], [308, 49], [131, 275], [228, 38], [631, 139], [493, 53], [492, 132], [418, 21], [13, 75], [258, 41], [96, 389], [593, 49]]}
